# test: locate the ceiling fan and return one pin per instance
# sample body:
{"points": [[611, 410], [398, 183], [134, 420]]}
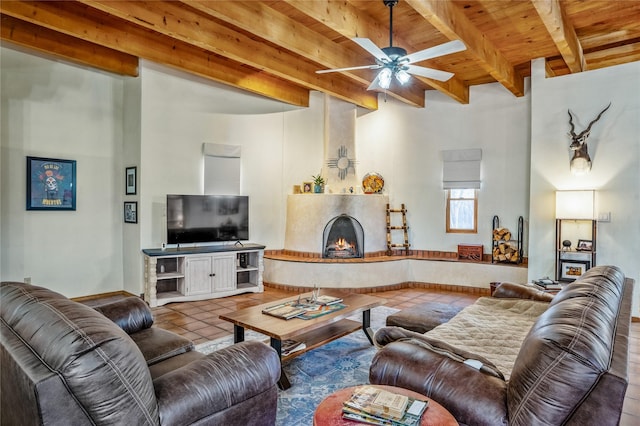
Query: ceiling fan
{"points": [[393, 61]]}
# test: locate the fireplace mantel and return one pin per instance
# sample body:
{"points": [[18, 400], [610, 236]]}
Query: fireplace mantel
{"points": [[307, 215]]}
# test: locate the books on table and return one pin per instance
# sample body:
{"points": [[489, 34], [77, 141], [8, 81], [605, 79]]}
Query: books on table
{"points": [[372, 405], [284, 310], [328, 300]]}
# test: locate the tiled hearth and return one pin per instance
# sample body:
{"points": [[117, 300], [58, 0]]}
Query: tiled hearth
{"points": [[289, 268]]}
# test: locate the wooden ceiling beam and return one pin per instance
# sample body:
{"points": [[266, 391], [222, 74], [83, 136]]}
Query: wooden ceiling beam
{"points": [[283, 31], [68, 48], [182, 23], [79, 21], [611, 56], [349, 22], [562, 32], [447, 18]]}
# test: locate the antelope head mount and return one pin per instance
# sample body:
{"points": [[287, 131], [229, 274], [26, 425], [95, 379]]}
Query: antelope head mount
{"points": [[581, 162]]}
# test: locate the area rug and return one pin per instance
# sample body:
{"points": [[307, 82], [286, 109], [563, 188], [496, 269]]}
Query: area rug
{"points": [[319, 372]]}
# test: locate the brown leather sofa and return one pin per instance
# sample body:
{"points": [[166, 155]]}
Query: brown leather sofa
{"points": [[571, 368], [65, 363]]}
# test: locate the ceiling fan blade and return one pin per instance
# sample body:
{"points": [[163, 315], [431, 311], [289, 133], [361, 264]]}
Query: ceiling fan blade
{"points": [[361, 67], [429, 73], [370, 47], [435, 51]]}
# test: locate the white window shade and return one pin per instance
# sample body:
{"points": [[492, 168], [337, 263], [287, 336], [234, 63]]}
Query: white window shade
{"points": [[221, 169], [461, 168]]}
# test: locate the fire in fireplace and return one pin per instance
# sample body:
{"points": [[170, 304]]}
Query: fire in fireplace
{"points": [[343, 238]]}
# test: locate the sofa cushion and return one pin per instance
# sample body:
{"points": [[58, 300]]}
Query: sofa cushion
{"points": [[131, 314], [567, 351], [423, 317], [157, 344], [492, 328], [101, 367]]}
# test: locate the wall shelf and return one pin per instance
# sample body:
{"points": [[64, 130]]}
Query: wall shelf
{"points": [[570, 261]]}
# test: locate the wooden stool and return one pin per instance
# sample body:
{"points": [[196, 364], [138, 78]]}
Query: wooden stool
{"points": [[329, 412]]}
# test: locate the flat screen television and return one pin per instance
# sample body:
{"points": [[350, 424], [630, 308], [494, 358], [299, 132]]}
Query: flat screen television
{"points": [[207, 218]]}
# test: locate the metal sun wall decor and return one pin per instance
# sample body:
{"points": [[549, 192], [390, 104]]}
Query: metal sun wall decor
{"points": [[581, 162], [342, 162]]}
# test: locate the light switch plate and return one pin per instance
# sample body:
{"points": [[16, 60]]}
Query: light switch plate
{"points": [[604, 217]]}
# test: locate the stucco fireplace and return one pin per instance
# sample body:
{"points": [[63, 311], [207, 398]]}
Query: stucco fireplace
{"points": [[309, 214]]}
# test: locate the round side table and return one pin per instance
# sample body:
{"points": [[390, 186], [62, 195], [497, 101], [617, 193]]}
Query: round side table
{"points": [[329, 412]]}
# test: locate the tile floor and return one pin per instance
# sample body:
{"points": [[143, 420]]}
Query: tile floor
{"points": [[199, 321]]}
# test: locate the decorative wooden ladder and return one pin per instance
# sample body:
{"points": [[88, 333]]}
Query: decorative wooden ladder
{"points": [[404, 228]]}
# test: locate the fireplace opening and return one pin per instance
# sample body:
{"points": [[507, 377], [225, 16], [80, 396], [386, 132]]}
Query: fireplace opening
{"points": [[343, 238]]}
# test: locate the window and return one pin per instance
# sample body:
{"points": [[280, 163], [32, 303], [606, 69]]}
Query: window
{"points": [[462, 210]]}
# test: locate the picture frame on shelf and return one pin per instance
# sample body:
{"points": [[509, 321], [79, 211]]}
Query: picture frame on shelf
{"points": [[51, 184], [131, 180], [131, 212], [585, 245], [572, 270], [307, 187]]}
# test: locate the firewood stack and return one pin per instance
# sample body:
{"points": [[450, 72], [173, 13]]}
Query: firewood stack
{"points": [[503, 251]]}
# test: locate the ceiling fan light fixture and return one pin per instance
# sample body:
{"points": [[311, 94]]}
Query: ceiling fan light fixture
{"points": [[384, 78], [402, 76]]}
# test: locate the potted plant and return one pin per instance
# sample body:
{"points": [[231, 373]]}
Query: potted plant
{"points": [[318, 184]]}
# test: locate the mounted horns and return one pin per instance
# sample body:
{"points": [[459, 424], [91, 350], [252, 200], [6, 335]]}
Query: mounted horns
{"points": [[581, 162]]}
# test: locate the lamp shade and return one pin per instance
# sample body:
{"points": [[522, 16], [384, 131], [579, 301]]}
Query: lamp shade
{"points": [[575, 204]]}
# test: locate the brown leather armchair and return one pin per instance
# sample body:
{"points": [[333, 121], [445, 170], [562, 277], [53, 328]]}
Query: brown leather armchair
{"points": [[66, 363]]}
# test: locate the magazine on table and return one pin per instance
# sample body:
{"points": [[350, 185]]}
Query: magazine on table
{"points": [[289, 346]]}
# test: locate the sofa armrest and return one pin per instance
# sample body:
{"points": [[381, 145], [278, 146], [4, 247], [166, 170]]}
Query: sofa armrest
{"points": [[130, 314], [471, 396], [509, 290], [216, 382]]}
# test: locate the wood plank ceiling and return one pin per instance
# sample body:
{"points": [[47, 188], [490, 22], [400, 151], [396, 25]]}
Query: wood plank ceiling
{"points": [[273, 48]]}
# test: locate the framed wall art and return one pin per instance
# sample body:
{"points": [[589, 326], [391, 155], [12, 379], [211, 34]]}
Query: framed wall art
{"points": [[572, 270], [585, 245], [131, 212], [130, 179], [51, 184]]}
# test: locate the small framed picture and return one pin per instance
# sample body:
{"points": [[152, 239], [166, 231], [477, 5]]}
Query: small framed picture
{"points": [[571, 271], [585, 245], [130, 179], [307, 187], [51, 184], [131, 212]]}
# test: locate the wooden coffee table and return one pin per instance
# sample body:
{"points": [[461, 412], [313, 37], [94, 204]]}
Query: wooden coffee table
{"points": [[329, 412], [313, 332]]}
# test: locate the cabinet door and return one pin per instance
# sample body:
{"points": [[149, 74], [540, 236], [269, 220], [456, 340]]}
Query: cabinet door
{"points": [[199, 275], [224, 266]]}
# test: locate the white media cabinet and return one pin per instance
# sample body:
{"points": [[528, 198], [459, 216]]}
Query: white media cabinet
{"points": [[198, 273]]}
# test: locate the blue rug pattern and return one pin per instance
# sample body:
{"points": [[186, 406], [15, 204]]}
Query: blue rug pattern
{"points": [[318, 373]]}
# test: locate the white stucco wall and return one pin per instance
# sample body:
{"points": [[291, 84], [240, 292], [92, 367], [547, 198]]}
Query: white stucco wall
{"points": [[58, 110], [54, 110], [614, 147]]}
